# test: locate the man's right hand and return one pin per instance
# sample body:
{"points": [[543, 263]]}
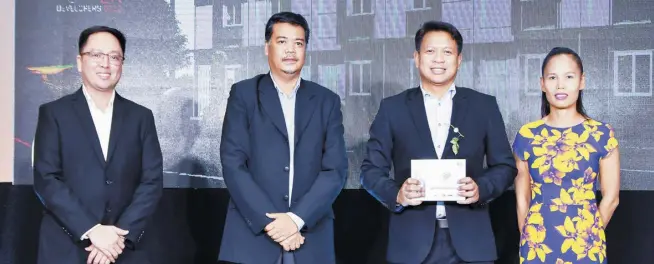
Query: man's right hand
{"points": [[96, 257], [293, 242], [410, 190], [109, 240]]}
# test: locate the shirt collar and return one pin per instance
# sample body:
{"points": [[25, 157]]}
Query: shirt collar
{"points": [[297, 86], [89, 100], [451, 91]]}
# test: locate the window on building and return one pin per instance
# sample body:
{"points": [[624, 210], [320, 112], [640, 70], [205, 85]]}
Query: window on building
{"points": [[360, 78], [232, 15], [632, 73], [359, 7], [531, 67]]}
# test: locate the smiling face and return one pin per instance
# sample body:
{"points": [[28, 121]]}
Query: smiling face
{"points": [[101, 62], [286, 49], [438, 59], [562, 81]]}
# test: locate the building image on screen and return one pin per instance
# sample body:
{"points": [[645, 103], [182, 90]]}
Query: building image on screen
{"points": [[183, 56]]}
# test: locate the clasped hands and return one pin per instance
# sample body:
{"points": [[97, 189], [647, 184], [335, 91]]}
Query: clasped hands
{"points": [[108, 243], [412, 189], [284, 231]]}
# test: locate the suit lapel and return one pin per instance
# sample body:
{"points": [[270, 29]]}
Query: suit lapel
{"points": [[86, 121], [416, 104], [116, 125], [270, 102], [304, 108], [459, 109]]}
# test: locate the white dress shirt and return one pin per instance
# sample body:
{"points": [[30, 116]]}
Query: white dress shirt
{"points": [[101, 120], [288, 108], [439, 113], [102, 123]]}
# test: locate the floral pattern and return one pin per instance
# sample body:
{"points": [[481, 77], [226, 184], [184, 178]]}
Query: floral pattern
{"points": [[563, 224]]}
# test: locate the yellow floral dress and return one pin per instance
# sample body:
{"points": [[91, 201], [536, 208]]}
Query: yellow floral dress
{"points": [[563, 224]]}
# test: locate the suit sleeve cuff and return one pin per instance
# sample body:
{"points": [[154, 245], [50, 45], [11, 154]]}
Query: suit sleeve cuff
{"points": [[298, 221], [398, 208], [485, 194], [85, 235]]}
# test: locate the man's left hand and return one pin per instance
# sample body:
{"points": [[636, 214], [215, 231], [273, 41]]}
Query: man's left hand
{"points": [[468, 188], [293, 242], [281, 228]]}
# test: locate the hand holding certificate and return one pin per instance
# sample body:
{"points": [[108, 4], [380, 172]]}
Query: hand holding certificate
{"points": [[439, 178]]}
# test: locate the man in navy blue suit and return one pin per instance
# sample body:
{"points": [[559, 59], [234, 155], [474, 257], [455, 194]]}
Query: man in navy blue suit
{"points": [[283, 157], [438, 120], [97, 163]]}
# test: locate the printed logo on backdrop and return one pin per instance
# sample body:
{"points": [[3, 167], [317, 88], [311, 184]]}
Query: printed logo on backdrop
{"points": [[91, 6]]}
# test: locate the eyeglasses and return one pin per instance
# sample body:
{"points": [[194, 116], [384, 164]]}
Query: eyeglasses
{"points": [[114, 59]]}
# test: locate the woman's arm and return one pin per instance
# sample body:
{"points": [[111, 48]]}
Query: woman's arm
{"points": [[610, 184], [522, 191]]}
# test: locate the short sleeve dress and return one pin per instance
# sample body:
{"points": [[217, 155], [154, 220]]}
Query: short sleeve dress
{"points": [[563, 224]]}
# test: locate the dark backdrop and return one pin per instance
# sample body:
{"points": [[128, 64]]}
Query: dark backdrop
{"points": [[187, 227]]}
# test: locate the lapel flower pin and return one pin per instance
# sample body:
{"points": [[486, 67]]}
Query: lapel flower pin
{"points": [[455, 139]]}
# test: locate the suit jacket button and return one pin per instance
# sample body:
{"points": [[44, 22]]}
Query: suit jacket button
{"points": [[109, 182], [108, 210], [286, 197], [286, 168]]}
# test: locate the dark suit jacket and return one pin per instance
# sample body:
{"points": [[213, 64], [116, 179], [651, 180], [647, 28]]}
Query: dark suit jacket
{"points": [[399, 133], [79, 189], [255, 158]]}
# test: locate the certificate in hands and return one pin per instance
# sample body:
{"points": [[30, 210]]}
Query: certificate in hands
{"points": [[439, 178]]}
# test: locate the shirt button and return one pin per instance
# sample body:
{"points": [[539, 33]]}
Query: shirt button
{"points": [[286, 168], [439, 146]]}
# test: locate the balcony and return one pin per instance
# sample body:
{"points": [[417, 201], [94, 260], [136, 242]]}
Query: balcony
{"points": [[632, 12]]}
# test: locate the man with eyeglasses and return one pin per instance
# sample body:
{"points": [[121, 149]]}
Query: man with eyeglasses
{"points": [[97, 163]]}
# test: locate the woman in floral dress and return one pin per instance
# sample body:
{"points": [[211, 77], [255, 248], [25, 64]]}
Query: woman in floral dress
{"points": [[560, 159]]}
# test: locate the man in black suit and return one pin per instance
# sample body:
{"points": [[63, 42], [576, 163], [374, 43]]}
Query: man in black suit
{"points": [[283, 157], [97, 163], [438, 120]]}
